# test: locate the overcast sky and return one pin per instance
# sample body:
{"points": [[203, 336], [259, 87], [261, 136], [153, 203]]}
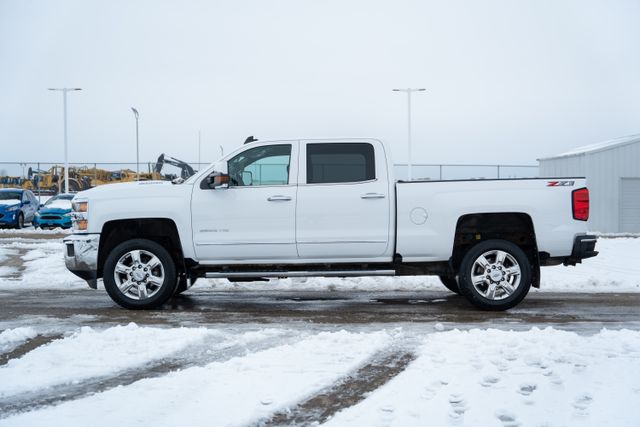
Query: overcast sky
{"points": [[507, 81]]}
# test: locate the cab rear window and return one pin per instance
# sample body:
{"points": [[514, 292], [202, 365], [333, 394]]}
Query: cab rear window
{"points": [[340, 162]]}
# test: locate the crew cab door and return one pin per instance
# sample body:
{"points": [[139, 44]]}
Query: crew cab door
{"points": [[343, 200], [254, 218]]}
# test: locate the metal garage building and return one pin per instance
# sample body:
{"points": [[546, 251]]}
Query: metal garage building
{"points": [[612, 169]]}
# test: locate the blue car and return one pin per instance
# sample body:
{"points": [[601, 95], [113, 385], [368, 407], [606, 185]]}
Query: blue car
{"points": [[17, 207], [55, 213]]}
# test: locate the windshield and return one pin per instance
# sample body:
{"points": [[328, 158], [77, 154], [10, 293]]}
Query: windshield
{"points": [[10, 196], [59, 202]]}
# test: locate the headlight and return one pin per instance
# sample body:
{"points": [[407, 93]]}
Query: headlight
{"points": [[80, 206], [37, 213], [13, 208], [67, 215], [79, 215]]}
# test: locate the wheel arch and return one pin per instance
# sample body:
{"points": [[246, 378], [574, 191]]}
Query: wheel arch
{"points": [[160, 230], [515, 227]]}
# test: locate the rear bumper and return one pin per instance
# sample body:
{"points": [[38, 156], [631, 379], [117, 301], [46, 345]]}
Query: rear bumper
{"points": [[81, 256], [583, 247]]}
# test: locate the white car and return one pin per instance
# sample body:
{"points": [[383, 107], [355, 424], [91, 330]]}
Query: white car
{"points": [[294, 208]]}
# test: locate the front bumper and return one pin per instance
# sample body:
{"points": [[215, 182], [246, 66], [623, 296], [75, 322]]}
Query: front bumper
{"points": [[583, 247], [81, 256], [53, 223], [8, 218]]}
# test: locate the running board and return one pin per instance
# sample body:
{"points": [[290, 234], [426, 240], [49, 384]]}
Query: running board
{"points": [[318, 273]]}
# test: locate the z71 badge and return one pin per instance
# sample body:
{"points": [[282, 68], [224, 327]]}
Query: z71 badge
{"points": [[560, 183]]}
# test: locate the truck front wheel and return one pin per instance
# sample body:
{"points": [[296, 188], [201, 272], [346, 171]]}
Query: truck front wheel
{"points": [[495, 275], [139, 274]]}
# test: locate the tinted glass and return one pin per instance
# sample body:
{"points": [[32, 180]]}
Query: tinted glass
{"points": [[332, 163], [267, 165]]}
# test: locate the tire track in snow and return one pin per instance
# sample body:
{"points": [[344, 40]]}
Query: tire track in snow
{"points": [[27, 346], [346, 392], [192, 356], [15, 263]]}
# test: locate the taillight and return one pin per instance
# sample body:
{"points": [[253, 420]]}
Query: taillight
{"points": [[580, 204]]}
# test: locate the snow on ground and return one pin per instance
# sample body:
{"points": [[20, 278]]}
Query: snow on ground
{"points": [[477, 377], [615, 269], [43, 262], [11, 338], [34, 231], [91, 353], [231, 393], [506, 378]]}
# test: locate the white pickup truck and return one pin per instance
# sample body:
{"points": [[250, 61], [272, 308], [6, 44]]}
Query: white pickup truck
{"points": [[298, 208]]}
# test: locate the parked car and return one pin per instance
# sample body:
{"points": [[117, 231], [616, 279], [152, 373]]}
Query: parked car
{"points": [[303, 208], [56, 212], [17, 207]]}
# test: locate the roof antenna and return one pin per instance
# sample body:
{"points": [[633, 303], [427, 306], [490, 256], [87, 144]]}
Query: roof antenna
{"points": [[250, 139]]}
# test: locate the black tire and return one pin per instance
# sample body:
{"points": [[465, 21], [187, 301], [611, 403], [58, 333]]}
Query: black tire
{"points": [[450, 283], [163, 292], [469, 266], [20, 221]]}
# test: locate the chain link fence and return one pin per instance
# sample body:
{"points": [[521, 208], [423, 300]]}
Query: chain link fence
{"points": [[47, 177]]}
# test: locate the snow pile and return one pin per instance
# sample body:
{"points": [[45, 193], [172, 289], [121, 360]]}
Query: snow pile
{"points": [[33, 231], [616, 268], [231, 393], [506, 378], [11, 338], [44, 266], [91, 353]]}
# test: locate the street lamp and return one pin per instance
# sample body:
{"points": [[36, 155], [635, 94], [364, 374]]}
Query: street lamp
{"points": [[64, 91], [409, 91], [137, 116]]}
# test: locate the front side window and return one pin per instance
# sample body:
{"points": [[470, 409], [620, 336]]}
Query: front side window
{"points": [[336, 163], [266, 165]]}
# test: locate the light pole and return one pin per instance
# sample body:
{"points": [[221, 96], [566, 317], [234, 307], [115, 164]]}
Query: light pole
{"points": [[64, 91], [199, 151], [409, 91], [137, 116]]}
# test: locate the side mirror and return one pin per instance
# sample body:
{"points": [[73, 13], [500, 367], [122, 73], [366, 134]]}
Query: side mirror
{"points": [[215, 180], [26, 202]]}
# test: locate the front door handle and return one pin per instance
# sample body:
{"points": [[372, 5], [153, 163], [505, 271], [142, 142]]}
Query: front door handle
{"points": [[373, 196], [279, 198]]}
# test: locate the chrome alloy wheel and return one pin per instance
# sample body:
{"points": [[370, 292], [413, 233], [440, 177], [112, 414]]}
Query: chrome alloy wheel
{"points": [[139, 274], [495, 275]]}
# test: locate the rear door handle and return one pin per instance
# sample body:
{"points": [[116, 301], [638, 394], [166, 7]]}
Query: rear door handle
{"points": [[373, 196], [279, 198]]}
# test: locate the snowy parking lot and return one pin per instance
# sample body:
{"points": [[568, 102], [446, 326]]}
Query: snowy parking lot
{"points": [[366, 352]]}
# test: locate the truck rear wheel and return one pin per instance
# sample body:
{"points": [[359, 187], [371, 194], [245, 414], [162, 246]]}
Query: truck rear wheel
{"points": [[495, 275], [139, 274]]}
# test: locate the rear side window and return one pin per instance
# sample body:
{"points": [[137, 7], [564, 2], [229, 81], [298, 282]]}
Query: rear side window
{"points": [[335, 163]]}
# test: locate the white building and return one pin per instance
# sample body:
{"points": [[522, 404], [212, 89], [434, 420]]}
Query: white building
{"points": [[612, 169]]}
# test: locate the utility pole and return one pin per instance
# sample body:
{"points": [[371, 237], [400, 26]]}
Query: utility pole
{"points": [[137, 116], [409, 91], [64, 91]]}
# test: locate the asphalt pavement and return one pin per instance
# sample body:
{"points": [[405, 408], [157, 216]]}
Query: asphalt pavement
{"points": [[571, 311]]}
